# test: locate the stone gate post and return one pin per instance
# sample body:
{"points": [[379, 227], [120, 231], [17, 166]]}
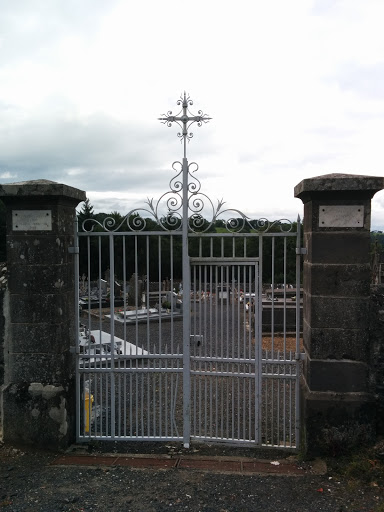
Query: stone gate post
{"points": [[37, 398], [337, 393]]}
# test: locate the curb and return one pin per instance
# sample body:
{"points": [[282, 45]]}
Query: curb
{"points": [[231, 465]]}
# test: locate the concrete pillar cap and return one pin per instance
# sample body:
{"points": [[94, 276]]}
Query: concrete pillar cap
{"points": [[40, 188], [338, 182]]}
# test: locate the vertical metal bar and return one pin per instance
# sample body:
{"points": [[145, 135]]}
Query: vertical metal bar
{"points": [[285, 295], [259, 342], [89, 279], [173, 306], [147, 301], [297, 355], [148, 330], [272, 334], [100, 274], [160, 299], [273, 294], [119, 405], [200, 347], [124, 306], [173, 301], [79, 403], [137, 403], [130, 404], [231, 306], [125, 405], [186, 313], [112, 299], [216, 313], [160, 339], [136, 290], [205, 349], [194, 348]]}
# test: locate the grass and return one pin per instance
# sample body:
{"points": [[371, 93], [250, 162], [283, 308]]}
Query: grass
{"points": [[362, 466]]}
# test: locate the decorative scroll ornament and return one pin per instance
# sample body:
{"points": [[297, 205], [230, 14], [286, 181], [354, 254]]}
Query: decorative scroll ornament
{"points": [[167, 210]]}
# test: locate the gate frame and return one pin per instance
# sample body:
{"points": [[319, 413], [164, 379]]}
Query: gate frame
{"points": [[186, 438], [186, 197]]}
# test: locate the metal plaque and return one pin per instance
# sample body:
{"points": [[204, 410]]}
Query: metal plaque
{"points": [[341, 216], [32, 220]]}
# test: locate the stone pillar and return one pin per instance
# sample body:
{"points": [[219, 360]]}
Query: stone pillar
{"points": [[337, 394], [38, 396]]}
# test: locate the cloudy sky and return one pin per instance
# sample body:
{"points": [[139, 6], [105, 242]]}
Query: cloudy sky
{"points": [[294, 88]]}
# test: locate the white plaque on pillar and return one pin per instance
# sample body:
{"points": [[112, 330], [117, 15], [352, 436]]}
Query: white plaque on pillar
{"points": [[341, 216], [32, 220]]}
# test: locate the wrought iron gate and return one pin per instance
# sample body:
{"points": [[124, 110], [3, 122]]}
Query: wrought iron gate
{"points": [[187, 335]]}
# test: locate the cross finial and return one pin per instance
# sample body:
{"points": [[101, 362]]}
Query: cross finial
{"points": [[184, 119]]}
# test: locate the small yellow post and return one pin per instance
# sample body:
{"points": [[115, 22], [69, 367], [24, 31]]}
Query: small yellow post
{"points": [[88, 410]]}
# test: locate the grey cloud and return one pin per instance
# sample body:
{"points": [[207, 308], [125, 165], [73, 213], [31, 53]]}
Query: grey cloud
{"points": [[29, 27], [98, 153], [364, 80], [320, 7]]}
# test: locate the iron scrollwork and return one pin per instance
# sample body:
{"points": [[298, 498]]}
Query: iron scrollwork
{"points": [[167, 210]]}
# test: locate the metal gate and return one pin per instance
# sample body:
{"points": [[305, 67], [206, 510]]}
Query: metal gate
{"points": [[225, 350], [187, 332]]}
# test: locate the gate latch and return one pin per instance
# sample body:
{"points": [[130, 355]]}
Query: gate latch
{"points": [[197, 338], [73, 250], [301, 250]]}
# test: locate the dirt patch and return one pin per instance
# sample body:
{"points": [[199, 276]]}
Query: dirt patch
{"points": [[279, 343]]}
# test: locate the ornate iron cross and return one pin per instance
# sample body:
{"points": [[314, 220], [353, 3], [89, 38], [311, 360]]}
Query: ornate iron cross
{"points": [[184, 119]]}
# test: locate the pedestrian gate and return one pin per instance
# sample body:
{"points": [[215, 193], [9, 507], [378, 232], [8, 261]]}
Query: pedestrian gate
{"points": [[188, 328]]}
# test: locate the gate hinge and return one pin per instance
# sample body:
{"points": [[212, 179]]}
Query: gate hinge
{"points": [[301, 250], [73, 250], [300, 356]]}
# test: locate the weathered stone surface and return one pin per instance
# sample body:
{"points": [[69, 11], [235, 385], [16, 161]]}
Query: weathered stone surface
{"points": [[38, 393], [337, 376], [40, 188], [44, 279], [336, 312], [53, 308], [48, 338], [336, 423], [338, 248], [39, 414], [336, 343], [339, 183], [337, 392], [47, 249], [376, 333], [340, 280], [37, 367]]}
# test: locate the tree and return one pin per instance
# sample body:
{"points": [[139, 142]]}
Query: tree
{"points": [[85, 213]]}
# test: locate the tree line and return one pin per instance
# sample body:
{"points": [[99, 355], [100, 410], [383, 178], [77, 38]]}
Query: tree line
{"points": [[160, 257]]}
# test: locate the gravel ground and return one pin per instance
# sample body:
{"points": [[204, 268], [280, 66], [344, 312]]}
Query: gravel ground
{"points": [[29, 483]]}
